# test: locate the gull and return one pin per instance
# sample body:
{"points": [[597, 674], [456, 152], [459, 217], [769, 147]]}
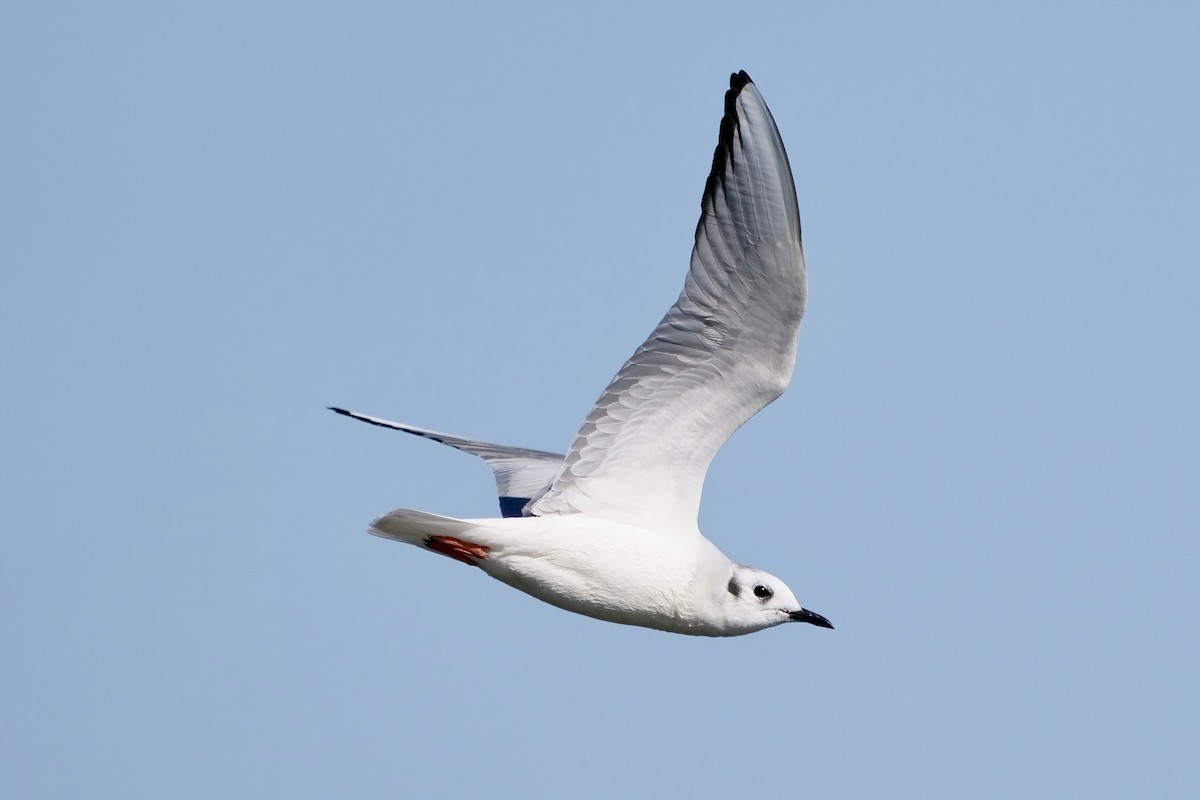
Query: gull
{"points": [[610, 529]]}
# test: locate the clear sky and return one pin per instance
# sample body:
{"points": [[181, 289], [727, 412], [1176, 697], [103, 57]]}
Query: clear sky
{"points": [[220, 218]]}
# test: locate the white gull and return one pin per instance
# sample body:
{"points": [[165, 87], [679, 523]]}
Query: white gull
{"points": [[610, 530]]}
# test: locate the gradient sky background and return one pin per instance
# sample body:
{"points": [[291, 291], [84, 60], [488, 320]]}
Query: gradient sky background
{"points": [[220, 218]]}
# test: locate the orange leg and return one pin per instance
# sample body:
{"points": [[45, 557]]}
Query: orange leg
{"points": [[466, 552]]}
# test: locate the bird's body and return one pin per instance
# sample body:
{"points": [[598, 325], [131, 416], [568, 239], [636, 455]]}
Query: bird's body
{"points": [[610, 529], [603, 569]]}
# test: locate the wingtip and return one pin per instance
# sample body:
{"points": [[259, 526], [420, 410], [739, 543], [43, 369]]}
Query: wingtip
{"points": [[738, 81], [337, 410], [729, 122]]}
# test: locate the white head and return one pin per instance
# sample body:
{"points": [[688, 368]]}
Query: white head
{"points": [[754, 600]]}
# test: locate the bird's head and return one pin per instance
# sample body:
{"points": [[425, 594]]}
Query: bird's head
{"points": [[754, 600]]}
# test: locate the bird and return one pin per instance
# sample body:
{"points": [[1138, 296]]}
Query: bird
{"points": [[610, 529]]}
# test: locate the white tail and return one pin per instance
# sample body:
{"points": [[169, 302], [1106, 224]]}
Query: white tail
{"points": [[414, 527]]}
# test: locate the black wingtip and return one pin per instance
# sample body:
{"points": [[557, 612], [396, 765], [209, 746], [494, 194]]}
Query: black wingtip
{"points": [[337, 410], [737, 82]]}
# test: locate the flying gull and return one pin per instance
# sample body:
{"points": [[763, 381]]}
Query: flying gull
{"points": [[610, 529]]}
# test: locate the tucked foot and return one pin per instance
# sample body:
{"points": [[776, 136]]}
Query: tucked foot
{"points": [[466, 552]]}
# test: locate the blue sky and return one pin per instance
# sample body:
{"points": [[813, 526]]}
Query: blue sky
{"points": [[221, 218]]}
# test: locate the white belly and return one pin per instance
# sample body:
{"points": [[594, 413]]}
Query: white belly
{"points": [[607, 570]]}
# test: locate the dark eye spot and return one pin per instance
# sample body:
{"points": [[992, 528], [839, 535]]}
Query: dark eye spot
{"points": [[762, 592], [733, 587]]}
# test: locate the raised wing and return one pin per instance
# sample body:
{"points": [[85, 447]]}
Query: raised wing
{"points": [[520, 473], [722, 352]]}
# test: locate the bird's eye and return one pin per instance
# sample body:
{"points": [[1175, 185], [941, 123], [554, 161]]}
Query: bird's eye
{"points": [[762, 592]]}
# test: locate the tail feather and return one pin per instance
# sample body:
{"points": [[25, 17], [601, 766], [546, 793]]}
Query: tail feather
{"points": [[415, 527]]}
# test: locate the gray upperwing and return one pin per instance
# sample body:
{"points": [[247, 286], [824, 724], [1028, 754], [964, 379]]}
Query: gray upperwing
{"points": [[520, 473]]}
